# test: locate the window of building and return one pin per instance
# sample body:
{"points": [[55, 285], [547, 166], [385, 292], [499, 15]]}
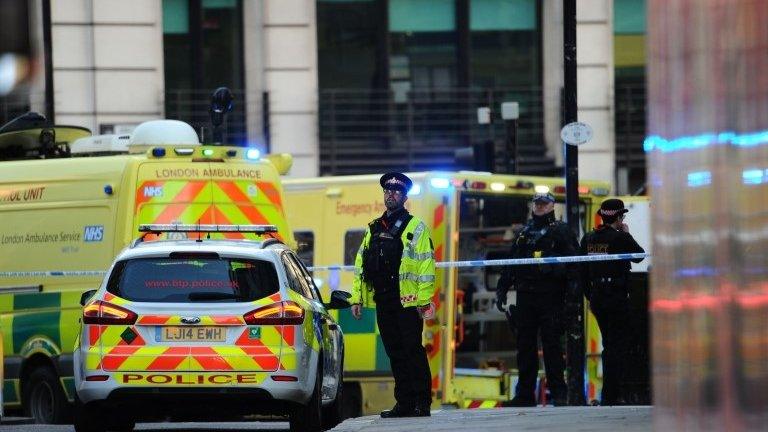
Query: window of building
{"points": [[347, 43], [352, 241], [203, 50], [505, 43], [422, 44]]}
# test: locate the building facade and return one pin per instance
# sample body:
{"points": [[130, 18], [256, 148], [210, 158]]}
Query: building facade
{"points": [[350, 86]]}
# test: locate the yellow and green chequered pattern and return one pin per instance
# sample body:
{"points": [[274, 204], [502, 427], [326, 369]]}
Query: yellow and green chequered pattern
{"points": [[38, 323]]}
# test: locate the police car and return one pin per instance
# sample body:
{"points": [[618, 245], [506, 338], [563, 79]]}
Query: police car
{"points": [[202, 329]]}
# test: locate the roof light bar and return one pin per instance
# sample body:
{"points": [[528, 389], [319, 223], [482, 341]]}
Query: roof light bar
{"points": [[156, 228], [183, 151]]}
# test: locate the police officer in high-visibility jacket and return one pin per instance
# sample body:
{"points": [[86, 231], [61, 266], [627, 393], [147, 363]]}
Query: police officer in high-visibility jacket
{"points": [[395, 269], [606, 285]]}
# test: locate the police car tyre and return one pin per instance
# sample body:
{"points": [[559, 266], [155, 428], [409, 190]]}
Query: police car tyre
{"points": [[95, 418], [333, 414], [44, 399], [308, 418]]}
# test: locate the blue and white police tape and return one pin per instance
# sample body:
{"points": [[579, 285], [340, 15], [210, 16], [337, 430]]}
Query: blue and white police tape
{"points": [[442, 264], [514, 261], [11, 274]]}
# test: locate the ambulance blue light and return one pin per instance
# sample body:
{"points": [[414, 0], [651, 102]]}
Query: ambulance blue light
{"points": [[439, 183], [108, 190], [158, 152], [252, 154], [415, 189]]}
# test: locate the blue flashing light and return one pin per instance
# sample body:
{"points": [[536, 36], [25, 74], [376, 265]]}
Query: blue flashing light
{"points": [[415, 189], [754, 176], [252, 154], [158, 152], [439, 183], [108, 189], [699, 178], [655, 142]]}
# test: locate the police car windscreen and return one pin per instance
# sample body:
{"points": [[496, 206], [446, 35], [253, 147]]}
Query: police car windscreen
{"points": [[171, 280]]}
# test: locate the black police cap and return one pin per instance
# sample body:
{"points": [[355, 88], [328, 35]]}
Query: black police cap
{"points": [[396, 181]]}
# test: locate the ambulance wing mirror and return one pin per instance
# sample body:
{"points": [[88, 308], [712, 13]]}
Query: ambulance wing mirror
{"points": [[86, 296], [339, 300]]}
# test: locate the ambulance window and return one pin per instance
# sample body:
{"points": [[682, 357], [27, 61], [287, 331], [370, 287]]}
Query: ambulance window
{"points": [[170, 280], [305, 240], [352, 241]]}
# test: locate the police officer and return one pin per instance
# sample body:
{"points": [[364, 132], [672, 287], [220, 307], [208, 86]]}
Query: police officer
{"points": [[541, 291], [395, 265], [606, 286]]}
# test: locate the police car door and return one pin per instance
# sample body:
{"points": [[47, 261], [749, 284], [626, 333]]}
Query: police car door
{"points": [[330, 337]]}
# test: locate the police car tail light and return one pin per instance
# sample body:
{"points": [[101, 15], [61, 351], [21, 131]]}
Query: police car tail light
{"points": [[282, 313], [101, 312]]}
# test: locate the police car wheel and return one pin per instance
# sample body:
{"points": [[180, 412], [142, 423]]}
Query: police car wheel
{"points": [[333, 414], [308, 418], [44, 399]]}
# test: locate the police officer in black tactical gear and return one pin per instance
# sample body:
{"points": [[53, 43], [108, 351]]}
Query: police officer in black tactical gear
{"points": [[541, 294], [606, 286]]}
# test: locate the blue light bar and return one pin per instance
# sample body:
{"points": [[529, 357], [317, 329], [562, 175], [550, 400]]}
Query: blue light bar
{"points": [[252, 154], [439, 183], [158, 152]]}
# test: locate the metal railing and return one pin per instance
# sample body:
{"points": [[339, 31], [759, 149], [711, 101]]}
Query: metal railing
{"points": [[365, 131]]}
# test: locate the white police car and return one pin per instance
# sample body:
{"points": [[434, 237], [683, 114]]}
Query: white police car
{"points": [[205, 329]]}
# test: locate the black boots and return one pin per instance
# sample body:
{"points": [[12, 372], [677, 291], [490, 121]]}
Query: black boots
{"points": [[420, 410], [519, 402]]}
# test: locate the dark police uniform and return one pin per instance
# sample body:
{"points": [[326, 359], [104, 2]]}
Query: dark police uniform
{"points": [[606, 286], [540, 306]]}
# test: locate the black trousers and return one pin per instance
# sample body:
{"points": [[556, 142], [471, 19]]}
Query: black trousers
{"points": [[401, 329], [613, 320], [540, 313]]}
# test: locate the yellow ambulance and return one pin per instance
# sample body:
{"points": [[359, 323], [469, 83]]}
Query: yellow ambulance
{"points": [[471, 216], [63, 220]]}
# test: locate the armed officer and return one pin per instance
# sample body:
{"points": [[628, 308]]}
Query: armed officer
{"points": [[606, 286], [395, 265], [541, 295]]}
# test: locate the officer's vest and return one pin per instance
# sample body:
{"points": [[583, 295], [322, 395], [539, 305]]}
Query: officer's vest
{"points": [[381, 259], [537, 243], [416, 273]]}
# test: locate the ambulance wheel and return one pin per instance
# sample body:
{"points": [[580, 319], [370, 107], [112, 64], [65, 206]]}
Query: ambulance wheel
{"points": [[333, 414], [44, 398], [308, 418]]}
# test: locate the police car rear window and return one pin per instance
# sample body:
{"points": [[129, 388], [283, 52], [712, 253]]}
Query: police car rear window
{"points": [[173, 280]]}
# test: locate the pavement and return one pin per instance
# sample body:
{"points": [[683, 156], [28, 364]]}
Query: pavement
{"points": [[570, 419], [566, 419]]}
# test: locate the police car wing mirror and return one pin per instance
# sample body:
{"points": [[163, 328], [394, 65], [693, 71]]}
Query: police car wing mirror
{"points": [[339, 300], [86, 296]]}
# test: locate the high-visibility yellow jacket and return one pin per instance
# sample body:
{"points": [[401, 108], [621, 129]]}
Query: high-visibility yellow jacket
{"points": [[417, 268]]}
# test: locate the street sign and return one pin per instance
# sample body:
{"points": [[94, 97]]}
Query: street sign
{"points": [[576, 133]]}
